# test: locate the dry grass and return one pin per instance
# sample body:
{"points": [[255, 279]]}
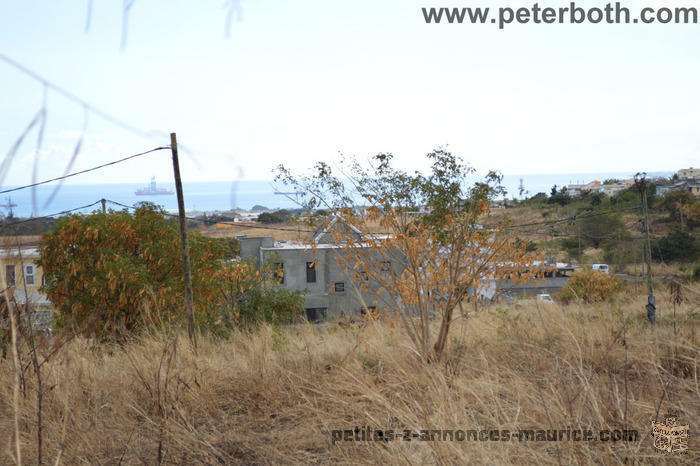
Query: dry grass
{"points": [[274, 396], [278, 231]]}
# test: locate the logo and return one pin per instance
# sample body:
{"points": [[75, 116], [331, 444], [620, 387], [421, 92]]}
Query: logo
{"points": [[669, 436]]}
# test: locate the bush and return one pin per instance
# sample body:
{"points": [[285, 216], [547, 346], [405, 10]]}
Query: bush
{"points": [[570, 245], [591, 286], [251, 297]]}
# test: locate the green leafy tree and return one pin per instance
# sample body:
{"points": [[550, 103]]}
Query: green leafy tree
{"points": [[676, 246], [594, 230], [561, 197], [105, 270]]}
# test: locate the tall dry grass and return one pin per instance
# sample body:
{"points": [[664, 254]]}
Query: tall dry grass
{"points": [[275, 395]]}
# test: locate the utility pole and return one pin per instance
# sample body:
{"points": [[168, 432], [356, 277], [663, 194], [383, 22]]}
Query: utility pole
{"points": [[104, 205], [189, 301], [641, 183]]}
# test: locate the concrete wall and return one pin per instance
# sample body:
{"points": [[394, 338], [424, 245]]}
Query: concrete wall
{"points": [[321, 294], [250, 246], [329, 271]]}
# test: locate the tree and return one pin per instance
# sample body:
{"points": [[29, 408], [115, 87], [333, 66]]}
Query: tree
{"points": [[422, 266], [104, 270], [674, 202], [597, 229], [692, 213], [561, 197], [278, 216], [677, 245]]}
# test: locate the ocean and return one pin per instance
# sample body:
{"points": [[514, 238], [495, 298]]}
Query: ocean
{"points": [[223, 196]]}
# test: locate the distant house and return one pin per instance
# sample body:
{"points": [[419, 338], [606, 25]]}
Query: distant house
{"points": [[689, 174], [598, 187], [23, 278], [578, 189], [692, 186], [688, 180]]}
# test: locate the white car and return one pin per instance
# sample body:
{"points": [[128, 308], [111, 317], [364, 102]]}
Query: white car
{"points": [[545, 298], [601, 267]]}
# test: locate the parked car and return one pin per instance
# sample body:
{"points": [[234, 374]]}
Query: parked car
{"points": [[545, 298], [601, 267]]}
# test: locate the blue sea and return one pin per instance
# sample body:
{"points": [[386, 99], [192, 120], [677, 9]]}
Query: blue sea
{"points": [[224, 196]]}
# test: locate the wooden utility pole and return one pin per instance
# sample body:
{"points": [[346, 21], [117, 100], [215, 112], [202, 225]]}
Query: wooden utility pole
{"points": [[104, 205], [189, 301], [641, 182]]}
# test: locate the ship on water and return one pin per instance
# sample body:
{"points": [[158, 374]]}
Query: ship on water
{"points": [[152, 190]]}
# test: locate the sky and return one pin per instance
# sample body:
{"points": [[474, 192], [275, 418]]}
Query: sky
{"points": [[298, 81]]}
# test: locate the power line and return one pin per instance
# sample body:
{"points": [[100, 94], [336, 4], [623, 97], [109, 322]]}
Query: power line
{"points": [[84, 171], [43, 217], [573, 217]]}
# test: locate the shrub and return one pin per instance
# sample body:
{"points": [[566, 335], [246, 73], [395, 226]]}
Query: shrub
{"points": [[592, 286], [250, 297], [570, 245]]}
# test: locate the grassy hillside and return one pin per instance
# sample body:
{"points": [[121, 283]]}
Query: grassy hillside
{"points": [[276, 395]]}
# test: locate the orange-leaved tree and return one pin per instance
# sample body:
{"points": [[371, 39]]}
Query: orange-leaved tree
{"points": [[104, 269], [417, 245]]}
